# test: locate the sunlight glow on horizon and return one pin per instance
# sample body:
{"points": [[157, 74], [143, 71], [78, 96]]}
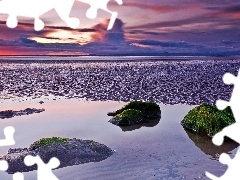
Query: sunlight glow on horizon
{"points": [[64, 36]]}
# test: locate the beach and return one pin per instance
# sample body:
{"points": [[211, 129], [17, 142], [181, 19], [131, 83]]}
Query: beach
{"points": [[78, 95], [168, 82]]}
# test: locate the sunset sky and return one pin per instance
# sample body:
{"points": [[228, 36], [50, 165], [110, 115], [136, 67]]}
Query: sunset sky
{"points": [[152, 27]]}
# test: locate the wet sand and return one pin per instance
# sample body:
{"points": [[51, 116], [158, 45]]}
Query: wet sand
{"points": [[168, 82], [163, 151]]}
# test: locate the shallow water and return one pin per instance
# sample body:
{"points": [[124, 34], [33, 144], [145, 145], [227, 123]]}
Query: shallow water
{"points": [[163, 151]]}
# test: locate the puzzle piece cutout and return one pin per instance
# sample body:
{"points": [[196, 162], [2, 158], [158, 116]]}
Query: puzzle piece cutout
{"points": [[3, 165], [234, 100], [18, 176], [9, 140], [232, 172], [44, 170], [101, 4], [231, 131], [36, 8]]}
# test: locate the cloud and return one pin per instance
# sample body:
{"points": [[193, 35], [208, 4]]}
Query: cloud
{"points": [[235, 8], [153, 7], [145, 32], [23, 41], [27, 41], [115, 35], [196, 16], [145, 39], [175, 23], [167, 44], [230, 12]]}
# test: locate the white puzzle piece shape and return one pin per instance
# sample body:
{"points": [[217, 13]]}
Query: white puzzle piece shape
{"points": [[9, 140], [3, 165], [18, 176], [231, 131], [101, 4], [232, 172], [44, 170], [234, 100], [34, 9]]}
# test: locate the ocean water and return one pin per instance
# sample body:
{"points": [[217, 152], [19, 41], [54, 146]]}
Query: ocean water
{"points": [[77, 96]]}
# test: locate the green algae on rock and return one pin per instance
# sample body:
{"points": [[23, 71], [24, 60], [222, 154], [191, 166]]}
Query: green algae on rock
{"points": [[47, 141], [207, 119], [135, 112], [149, 109], [127, 117], [69, 152]]}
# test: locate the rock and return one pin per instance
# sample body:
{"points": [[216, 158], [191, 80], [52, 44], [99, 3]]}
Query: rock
{"points": [[149, 109], [127, 117], [69, 151], [134, 113], [6, 114], [11, 113], [114, 113], [207, 120]]}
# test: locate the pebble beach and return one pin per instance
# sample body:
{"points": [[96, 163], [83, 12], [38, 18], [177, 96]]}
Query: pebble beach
{"points": [[168, 82]]}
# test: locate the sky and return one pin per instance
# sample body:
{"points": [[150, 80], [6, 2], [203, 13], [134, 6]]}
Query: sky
{"points": [[152, 27]]}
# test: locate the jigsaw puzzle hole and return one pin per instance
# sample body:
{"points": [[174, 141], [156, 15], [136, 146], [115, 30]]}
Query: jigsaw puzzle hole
{"points": [[73, 23], [18, 176], [91, 13], [3, 165], [228, 78], [38, 24], [12, 22]]}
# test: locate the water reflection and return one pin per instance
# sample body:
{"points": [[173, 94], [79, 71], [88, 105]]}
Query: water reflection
{"points": [[146, 123], [205, 145]]}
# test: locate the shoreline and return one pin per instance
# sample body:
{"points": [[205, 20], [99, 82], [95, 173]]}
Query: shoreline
{"points": [[117, 59]]}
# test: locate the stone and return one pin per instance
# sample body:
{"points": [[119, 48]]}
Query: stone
{"points": [[11, 113], [69, 151], [148, 109], [134, 113], [127, 117], [207, 120]]}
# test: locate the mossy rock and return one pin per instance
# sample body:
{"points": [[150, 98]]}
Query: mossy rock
{"points": [[207, 119], [127, 117], [47, 141], [68, 151], [149, 109]]}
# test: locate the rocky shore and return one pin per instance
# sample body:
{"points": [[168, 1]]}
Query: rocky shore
{"points": [[11, 113], [168, 82], [70, 152]]}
